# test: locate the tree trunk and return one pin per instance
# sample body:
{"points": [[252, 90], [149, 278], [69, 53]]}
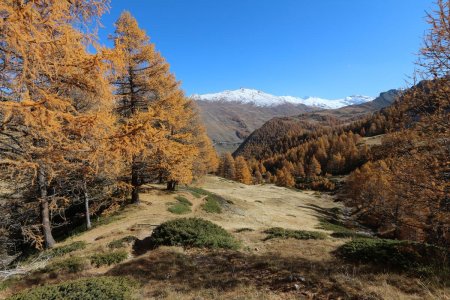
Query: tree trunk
{"points": [[135, 183], [171, 185], [45, 214], [86, 206]]}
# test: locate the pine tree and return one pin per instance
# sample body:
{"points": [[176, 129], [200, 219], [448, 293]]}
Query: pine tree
{"points": [[243, 174]]}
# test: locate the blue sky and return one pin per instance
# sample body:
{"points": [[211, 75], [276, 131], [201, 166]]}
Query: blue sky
{"points": [[325, 48]]}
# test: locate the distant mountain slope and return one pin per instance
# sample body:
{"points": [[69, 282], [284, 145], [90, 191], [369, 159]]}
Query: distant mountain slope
{"points": [[267, 139], [230, 123]]}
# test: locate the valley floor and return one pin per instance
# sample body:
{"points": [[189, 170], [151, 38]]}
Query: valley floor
{"points": [[271, 269]]}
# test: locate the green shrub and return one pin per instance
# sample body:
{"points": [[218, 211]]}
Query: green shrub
{"points": [[108, 258], [179, 209], [98, 288], [243, 230], [7, 283], [63, 250], [192, 232], [120, 243], [183, 200], [278, 232], [349, 234], [195, 194], [183, 206], [394, 253], [71, 265], [198, 191], [212, 205]]}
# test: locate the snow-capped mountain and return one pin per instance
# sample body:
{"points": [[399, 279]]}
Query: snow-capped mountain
{"points": [[260, 98]]}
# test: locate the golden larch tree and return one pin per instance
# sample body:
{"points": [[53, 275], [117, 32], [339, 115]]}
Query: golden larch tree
{"points": [[242, 174], [52, 95]]}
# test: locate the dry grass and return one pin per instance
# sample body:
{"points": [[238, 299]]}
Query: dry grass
{"points": [[273, 269]]}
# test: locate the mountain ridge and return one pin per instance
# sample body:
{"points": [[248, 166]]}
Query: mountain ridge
{"points": [[260, 98]]}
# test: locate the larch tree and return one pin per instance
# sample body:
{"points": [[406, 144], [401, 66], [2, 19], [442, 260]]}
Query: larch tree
{"points": [[314, 168], [148, 99], [52, 93], [284, 178], [243, 174], [258, 177], [227, 166]]}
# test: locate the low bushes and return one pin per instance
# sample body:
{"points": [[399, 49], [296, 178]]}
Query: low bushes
{"points": [[405, 255], [183, 206], [212, 205], [63, 250], [71, 265], [198, 192], [192, 232], [98, 288], [179, 209], [244, 229], [120, 243], [108, 258], [278, 232], [183, 200]]}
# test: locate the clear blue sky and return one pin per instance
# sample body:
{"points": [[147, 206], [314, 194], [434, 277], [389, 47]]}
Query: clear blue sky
{"points": [[325, 48]]}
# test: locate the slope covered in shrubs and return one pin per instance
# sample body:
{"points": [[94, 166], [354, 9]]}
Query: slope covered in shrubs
{"points": [[98, 288]]}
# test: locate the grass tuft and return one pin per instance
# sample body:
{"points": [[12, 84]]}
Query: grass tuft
{"points": [[63, 250], [183, 200], [245, 229], [120, 243], [278, 232], [108, 258], [73, 264], [183, 206], [212, 205]]}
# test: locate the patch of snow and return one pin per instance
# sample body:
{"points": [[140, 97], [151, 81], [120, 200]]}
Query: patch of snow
{"points": [[260, 98]]}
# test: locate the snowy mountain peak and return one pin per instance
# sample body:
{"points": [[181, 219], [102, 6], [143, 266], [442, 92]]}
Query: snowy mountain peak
{"points": [[259, 98]]}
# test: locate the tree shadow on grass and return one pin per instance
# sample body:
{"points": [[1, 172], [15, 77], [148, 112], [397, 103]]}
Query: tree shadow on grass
{"points": [[226, 270], [333, 212]]}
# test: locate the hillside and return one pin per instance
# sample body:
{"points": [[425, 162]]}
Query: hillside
{"points": [[266, 139], [230, 117], [229, 123], [262, 268]]}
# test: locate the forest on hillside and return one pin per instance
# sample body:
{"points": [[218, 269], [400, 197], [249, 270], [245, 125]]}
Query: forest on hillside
{"points": [[111, 189], [80, 130], [400, 188]]}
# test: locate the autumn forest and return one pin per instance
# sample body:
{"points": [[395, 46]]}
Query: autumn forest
{"points": [[101, 149]]}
